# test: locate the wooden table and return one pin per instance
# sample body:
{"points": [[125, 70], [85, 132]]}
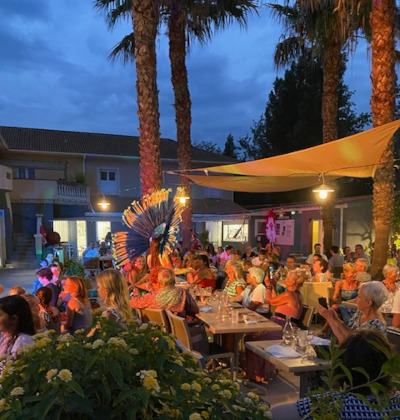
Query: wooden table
{"points": [[297, 366], [226, 326]]}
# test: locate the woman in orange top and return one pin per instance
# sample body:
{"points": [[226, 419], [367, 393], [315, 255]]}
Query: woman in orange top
{"points": [[155, 262], [203, 276]]}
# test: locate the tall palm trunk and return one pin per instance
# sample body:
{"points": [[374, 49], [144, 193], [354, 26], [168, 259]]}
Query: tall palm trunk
{"points": [[183, 117], [383, 80], [330, 100], [145, 22]]}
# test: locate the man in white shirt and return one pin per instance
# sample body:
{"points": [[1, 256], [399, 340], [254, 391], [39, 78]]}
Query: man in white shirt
{"points": [[90, 252], [253, 296], [317, 250]]}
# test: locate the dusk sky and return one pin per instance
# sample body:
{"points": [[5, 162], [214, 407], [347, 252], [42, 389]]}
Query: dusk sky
{"points": [[55, 73]]}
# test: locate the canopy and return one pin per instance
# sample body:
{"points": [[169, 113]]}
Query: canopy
{"points": [[355, 156]]}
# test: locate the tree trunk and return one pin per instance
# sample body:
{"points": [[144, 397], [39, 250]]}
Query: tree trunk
{"points": [[383, 79], [330, 100], [145, 20], [183, 117]]}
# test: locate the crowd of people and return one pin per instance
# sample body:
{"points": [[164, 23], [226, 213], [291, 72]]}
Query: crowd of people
{"points": [[256, 278]]}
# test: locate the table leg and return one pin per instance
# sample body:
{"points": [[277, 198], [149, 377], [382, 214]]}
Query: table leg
{"points": [[236, 356], [303, 383]]}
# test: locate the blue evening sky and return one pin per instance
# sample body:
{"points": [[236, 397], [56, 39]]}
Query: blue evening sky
{"points": [[55, 74]]}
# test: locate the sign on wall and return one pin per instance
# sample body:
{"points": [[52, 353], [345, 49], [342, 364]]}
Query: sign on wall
{"points": [[284, 232]]}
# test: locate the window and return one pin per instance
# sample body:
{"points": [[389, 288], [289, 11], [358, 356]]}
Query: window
{"points": [[235, 232], [24, 173], [109, 181]]}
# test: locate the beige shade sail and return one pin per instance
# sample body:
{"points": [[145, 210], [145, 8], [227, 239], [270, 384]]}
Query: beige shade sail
{"points": [[258, 184], [355, 156]]}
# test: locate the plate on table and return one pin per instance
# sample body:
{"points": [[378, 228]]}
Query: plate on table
{"points": [[205, 308]]}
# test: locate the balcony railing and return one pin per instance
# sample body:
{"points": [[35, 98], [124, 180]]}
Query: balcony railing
{"points": [[49, 191]]}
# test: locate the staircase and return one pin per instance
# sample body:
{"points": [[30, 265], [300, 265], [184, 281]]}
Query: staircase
{"points": [[23, 252]]}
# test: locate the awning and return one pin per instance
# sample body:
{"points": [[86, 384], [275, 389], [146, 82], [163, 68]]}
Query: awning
{"points": [[355, 156]]}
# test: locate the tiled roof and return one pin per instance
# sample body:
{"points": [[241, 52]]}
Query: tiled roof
{"points": [[41, 140]]}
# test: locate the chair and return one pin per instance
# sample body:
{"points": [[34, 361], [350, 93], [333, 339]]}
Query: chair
{"points": [[393, 336], [185, 341], [158, 316], [306, 317]]}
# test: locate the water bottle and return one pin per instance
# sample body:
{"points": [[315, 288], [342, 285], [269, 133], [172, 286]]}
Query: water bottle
{"points": [[288, 332]]}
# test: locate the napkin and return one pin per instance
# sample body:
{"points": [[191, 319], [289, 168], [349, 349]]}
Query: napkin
{"points": [[205, 308], [318, 341], [250, 321], [282, 352]]}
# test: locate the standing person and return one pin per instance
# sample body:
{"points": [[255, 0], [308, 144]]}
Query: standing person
{"points": [[79, 311], [113, 291], [317, 250], [16, 325], [359, 253], [49, 314], [336, 261], [362, 267]]}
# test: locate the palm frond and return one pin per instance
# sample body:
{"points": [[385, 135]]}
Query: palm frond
{"points": [[125, 50]]}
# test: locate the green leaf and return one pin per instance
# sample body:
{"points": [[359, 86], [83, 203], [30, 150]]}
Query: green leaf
{"points": [[143, 395], [76, 387], [116, 371]]}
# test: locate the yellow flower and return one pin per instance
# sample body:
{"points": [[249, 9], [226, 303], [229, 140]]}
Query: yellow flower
{"points": [[226, 393], [3, 404], [178, 362], [207, 380], [42, 343], [195, 416], [66, 337], [205, 414], [215, 387], [119, 342], [59, 346], [51, 374], [97, 343], [18, 390], [150, 383], [196, 387], [143, 326], [185, 387], [175, 413], [65, 375], [253, 396], [133, 351]]}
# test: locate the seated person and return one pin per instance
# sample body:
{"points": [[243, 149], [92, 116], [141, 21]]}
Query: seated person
{"points": [[235, 283], [287, 304], [90, 252], [390, 272], [366, 349], [253, 296], [203, 276], [282, 272], [137, 274], [261, 261], [168, 297], [362, 267], [371, 296], [48, 261], [320, 267], [249, 254], [16, 290]]}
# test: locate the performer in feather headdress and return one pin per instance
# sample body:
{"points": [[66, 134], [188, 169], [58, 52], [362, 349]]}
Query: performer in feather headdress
{"points": [[153, 224]]}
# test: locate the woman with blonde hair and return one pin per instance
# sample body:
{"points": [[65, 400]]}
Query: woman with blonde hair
{"points": [[79, 311], [113, 290], [236, 284]]}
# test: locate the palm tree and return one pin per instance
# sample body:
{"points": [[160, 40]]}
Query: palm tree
{"points": [[145, 18], [315, 28], [184, 19]]}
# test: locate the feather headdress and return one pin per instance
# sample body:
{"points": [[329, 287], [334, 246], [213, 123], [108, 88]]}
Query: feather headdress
{"points": [[153, 217]]}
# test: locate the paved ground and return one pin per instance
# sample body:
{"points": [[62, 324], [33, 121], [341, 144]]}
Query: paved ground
{"points": [[10, 277]]}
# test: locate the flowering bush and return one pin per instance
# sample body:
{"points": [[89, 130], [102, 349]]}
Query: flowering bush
{"points": [[133, 373]]}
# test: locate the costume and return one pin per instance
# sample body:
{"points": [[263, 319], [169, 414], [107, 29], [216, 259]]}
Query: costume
{"points": [[151, 218]]}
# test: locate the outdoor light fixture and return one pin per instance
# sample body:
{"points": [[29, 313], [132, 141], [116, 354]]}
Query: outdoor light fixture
{"points": [[323, 189], [183, 200], [103, 204]]}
